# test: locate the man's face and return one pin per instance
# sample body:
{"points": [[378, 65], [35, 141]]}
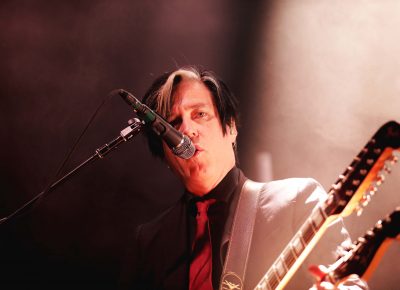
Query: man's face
{"points": [[194, 114]]}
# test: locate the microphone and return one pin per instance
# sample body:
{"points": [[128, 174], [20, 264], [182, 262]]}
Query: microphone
{"points": [[180, 144]]}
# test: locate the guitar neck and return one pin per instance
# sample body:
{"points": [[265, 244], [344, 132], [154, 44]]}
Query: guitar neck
{"points": [[297, 250]]}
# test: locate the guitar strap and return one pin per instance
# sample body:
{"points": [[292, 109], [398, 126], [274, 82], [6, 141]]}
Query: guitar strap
{"points": [[238, 251]]}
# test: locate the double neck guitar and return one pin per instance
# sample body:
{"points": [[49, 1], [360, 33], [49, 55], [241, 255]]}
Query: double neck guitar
{"points": [[351, 192]]}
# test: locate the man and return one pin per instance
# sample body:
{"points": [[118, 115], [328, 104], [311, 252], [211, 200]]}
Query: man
{"points": [[165, 252]]}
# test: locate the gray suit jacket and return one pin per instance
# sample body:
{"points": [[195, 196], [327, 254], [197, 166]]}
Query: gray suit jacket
{"points": [[284, 207]]}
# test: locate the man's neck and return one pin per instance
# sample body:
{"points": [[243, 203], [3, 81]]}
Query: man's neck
{"points": [[228, 178]]}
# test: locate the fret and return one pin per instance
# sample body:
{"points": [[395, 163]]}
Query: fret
{"points": [[318, 216], [288, 256], [303, 242], [298, 244], [276, 273], [295, 255], [263, 285], [272, 279], [282, 258], [311, 223], [308, 232], [280, 269], [268, 286]]}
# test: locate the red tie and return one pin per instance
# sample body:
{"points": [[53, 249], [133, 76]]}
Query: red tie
{"points": [[200, 276]]}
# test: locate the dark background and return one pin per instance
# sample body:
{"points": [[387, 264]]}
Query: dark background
{"points": [[60, 60]]}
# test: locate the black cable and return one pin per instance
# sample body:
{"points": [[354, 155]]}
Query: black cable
{"points": [[39, 197]]}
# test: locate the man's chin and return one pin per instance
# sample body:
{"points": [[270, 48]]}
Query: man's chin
{"points": [[196, 173]]}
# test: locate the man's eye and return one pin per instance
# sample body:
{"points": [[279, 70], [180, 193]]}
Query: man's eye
{"points": [[202, 114]]}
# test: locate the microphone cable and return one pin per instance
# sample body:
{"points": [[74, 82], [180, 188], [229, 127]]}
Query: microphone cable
{"points": [[35, 201]]}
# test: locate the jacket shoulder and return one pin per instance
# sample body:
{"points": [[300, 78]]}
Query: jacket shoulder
{"points": [[299, 190]]}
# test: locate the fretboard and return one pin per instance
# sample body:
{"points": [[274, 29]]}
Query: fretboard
{"points": [[297, 249]]}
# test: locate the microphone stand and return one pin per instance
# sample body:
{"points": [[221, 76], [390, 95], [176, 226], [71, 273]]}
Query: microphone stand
{"points": [[135, 126]]}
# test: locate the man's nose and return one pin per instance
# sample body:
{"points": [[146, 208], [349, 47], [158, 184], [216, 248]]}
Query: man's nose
{"points": [[188, 127]]}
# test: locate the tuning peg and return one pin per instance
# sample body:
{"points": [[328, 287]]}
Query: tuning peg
{"points": [[366, 198], [363, 171], [387, 169], [372, 189], [379, 225], [394, 158], [377, 151], [337, 186], [380, 179], [262, 285], [370, 161], [359, 210]]}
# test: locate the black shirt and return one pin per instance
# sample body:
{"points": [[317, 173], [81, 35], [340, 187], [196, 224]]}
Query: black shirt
{"points": [[161, 252]]}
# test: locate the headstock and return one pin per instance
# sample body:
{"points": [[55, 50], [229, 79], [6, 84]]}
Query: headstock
{"points": [[361, 179], [365, 253]]}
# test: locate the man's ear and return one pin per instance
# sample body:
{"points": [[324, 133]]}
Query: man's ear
{"points": [[232, 130]]}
